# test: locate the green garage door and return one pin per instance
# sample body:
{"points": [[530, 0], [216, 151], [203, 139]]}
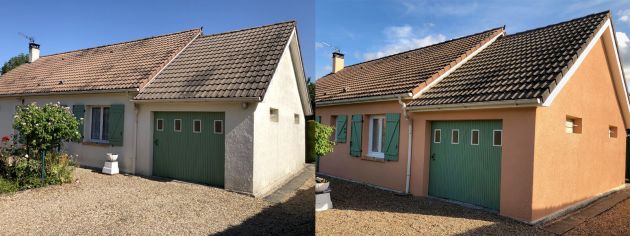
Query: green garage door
{"points": [[189, 146], [465, 161]]}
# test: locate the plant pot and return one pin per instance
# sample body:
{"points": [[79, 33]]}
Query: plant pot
{"points": [[321, 187], [112, 157]]}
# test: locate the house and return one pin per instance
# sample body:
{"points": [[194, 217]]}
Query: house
{"points": [[224, 109], [529, 124]]}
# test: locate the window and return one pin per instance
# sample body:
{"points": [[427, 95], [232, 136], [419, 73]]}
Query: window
{"points": [[159, 125], [474, 137], [273, 114], [296, 118], [177, 127], [218, 126], [612, 132], [455, 136], [377, 136], [497, 137], [573, 125], [99, 127], [196, 126], [437, 136]]}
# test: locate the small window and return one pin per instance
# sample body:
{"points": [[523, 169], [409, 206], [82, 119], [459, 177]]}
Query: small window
{"points": [[573, 125], [377, 136], [612, 132], [437, 135], [159, 125], [273, 114], [196, 126], [99, 126], [474, 137], [218, 126], [497, 137], [178, 125], [455, 136], [296, 118]]}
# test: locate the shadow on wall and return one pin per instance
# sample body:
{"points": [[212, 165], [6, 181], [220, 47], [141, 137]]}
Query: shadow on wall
{"points": [[296, 216]]}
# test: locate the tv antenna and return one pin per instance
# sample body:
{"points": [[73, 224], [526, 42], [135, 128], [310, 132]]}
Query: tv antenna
{"points": [[30, 38], [334, 48]]}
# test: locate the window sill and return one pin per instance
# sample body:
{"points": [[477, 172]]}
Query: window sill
{"points": [[375, 159], [91, 143]]}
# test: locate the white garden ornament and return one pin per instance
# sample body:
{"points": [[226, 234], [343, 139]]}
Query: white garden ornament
{"points": [[111, 165]]}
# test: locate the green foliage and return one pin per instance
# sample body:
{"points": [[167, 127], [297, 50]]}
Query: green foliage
{"points": [[7, 186], [47, 127], [14, 62], [318, 140]]}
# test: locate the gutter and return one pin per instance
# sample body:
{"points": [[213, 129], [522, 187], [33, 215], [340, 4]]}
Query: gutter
{"points": [[535, 102], [403, 106], [244, 99], [393, 97]]}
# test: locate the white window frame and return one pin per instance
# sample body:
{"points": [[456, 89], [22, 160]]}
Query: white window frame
{"points": [[371, 153], [493, 138], [181, 125], [200, 126], [472, 131], [214, 125], [453, 131], [157, 127], [435, 135], [100, 139]]}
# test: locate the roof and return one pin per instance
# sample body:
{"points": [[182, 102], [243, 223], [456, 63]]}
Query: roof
{"points": [[120, 66], [399, 73], [238, 64], [525, 65]]}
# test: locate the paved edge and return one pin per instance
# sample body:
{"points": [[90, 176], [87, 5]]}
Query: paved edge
{"points": [[569, 222], [283, 193]]}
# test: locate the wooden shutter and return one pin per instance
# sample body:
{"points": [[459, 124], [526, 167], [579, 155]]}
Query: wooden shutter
{"points": [[79, 112], [392, 136], [341, 130], [116, 124], [355, 135]]}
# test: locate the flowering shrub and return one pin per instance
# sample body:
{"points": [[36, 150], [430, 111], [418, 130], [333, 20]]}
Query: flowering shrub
{"points": [[318, 140], [45, 128]]}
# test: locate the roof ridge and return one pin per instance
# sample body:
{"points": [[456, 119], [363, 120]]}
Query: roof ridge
{"points": [[251, 28], [428, 46], [559, 23], [131, 41]]}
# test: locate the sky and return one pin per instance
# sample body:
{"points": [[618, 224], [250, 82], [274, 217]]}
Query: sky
{"points": [[61, 25], [368, 29]]}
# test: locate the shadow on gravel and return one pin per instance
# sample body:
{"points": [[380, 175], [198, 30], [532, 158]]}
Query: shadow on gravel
{"points": [[296, 216], [358, 197]]}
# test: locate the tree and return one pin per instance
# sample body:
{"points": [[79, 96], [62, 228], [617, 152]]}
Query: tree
{"points": [[45, 128], [318, 140], [14, 62]]}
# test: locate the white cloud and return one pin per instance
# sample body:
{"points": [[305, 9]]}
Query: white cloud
{"points": [[458, 8], [624, 51], [319, 45], [403, 38], [624, 16]]}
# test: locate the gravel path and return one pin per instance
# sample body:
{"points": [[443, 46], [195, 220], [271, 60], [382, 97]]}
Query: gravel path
{"points": [[363, 210], [612, 222], [98, 204]]}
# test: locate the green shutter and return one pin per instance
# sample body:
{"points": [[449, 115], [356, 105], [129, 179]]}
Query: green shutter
{"points": [[116, 124], [340, 130], [355, 135], [79, 112], [392, 136]]}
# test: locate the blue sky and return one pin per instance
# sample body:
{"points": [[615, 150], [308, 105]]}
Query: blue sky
{"points": [[367, 29], [61, 26]]}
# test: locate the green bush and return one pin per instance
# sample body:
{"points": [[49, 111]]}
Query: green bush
{"points": [[45, 128], [7, 186], [318, 140]]}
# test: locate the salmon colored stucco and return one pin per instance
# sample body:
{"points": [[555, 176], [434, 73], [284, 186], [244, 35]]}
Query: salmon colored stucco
{"points": [[543, 169]]}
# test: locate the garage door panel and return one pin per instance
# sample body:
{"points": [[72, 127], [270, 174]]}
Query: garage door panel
{"points": [[463, 171]]}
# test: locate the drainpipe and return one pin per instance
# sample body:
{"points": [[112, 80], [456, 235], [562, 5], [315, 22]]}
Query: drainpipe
{"points": [[409, 142], [135, 137]]}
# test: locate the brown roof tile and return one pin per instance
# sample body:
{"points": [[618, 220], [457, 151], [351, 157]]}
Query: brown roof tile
{"points": [[525, 65], [113, 67], [399, 73], [238, 64]]}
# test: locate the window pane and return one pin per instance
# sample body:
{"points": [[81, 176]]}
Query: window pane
{"points": [[497, 137], [105, 123], [197, 126], [160, 124], [375, 135], [218, 126], [178, 125], [475, 137], [437, 136], [96, 123], [382, 123], [455, 136]]}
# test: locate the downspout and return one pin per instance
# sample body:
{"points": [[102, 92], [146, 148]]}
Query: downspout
{"points": [[409, 142], [135, 137]]}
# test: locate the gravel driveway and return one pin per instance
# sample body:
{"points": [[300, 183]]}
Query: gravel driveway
{"points": [[363, 210], [612, 222], [100, 204]]}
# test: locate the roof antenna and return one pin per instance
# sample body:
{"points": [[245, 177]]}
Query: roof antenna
{"points": [[335, 48], [30, 38]]}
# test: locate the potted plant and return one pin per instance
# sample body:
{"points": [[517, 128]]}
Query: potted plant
{"points": [[320, 145]]}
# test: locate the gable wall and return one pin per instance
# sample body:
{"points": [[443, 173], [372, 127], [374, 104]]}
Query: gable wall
{"points": [[569, 168]]}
